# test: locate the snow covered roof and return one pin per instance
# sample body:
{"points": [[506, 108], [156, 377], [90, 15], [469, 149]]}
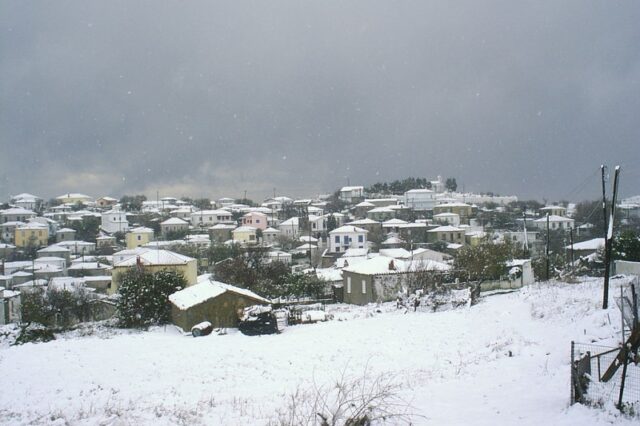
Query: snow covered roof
{"points": [[392, 240], [593, 244], [292, 221], [208, 289], [554, 218], [445, 229], [17, 210], [385, 265], [308, 239], [271, 230], [381, 210], [141, 230], [362, 222], [65, 230], [396, 253], [73, 195], [355, 252], [54, 249], [351, 188], [65, 283], [174, 221], [443, 215], [25, 195], [329, 274], [307, 246], [88, 265], [155, 257], [453, 204], [222, 226], [245, 229], [419, 191], [348, 229], [365, 204], [394, 222]]}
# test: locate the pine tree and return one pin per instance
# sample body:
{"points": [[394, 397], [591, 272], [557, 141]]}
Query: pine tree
{"points": [[144, 297]]}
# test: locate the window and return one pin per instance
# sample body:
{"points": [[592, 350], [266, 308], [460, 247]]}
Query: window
{"points": [[349, 285], [360, 238], [337, 239], [139, 237], [345, 239], [364, 287], [257, 220]]}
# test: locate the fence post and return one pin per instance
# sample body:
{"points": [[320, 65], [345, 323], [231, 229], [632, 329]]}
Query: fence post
{"points": [[624, 375], [573, 374]]}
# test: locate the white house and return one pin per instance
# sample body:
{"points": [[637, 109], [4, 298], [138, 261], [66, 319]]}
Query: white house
{"points": [[26, 201], [420, 199], [345, 237], [173, 224], [555, 222], [317, 223], [16, 214], [207, 218], [114, 221], [349, 194], [290, 227]]}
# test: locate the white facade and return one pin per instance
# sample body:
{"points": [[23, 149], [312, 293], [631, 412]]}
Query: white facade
{"points": [[114, 221], [290, 227], [349, 193], [420, 199], [207, 218], [555, 223], [173, 225], [346, 237]]}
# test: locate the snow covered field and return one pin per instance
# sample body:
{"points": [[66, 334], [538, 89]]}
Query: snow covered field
{"points": [[504, 361]]}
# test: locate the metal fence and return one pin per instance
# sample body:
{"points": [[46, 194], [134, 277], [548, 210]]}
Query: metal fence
{"points": [[591, 385]]}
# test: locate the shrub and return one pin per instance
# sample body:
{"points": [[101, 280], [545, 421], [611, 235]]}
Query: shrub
{"points": [[144, 297]]}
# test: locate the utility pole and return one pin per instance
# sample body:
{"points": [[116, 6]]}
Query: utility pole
{"points": [[547, 248], [608, 242], [526, 238], [572, 260]]}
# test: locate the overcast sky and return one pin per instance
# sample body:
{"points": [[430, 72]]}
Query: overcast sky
{"points": [[210, 99]]}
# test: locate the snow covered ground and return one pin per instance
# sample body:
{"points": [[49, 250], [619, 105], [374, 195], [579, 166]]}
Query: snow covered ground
{"points": [[504, 361]]}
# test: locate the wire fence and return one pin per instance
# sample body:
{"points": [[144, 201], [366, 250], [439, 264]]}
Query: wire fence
{"points": [[599, 378]]}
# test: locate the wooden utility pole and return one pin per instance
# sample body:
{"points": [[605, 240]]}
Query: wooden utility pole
{"points": [[526, 239], [608, 242], [571, 242], [547, 248]]}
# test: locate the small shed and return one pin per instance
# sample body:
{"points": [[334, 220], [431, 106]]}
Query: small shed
{"points": [[212, 301]]}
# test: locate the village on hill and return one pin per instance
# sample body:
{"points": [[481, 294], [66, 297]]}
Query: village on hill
{"points": [[229, 267]]}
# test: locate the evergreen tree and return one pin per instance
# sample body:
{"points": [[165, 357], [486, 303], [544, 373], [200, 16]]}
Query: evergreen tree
{"points": [[144, 297], [451, 184], [627, 247]]}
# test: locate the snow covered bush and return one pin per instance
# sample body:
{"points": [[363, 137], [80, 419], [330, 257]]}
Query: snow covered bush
{"points": [[59, 309], [349, 401], [144, 297]]}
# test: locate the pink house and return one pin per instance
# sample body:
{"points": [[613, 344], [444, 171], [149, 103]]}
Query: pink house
{"points": [[255, 219]]}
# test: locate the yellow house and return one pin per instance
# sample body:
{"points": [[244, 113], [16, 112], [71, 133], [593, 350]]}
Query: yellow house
{"points": [[137, 237], [448, 234], [31, 235], [154, 261], [245, 235]]}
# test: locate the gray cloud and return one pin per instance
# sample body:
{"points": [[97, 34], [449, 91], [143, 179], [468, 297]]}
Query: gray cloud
{"points": [[215, 98]]}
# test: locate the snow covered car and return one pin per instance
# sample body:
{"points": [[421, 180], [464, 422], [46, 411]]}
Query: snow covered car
{"points": [[257, 320]]}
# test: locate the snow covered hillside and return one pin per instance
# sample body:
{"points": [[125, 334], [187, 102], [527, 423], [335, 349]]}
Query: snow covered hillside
{"points": [[504, 361]]}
